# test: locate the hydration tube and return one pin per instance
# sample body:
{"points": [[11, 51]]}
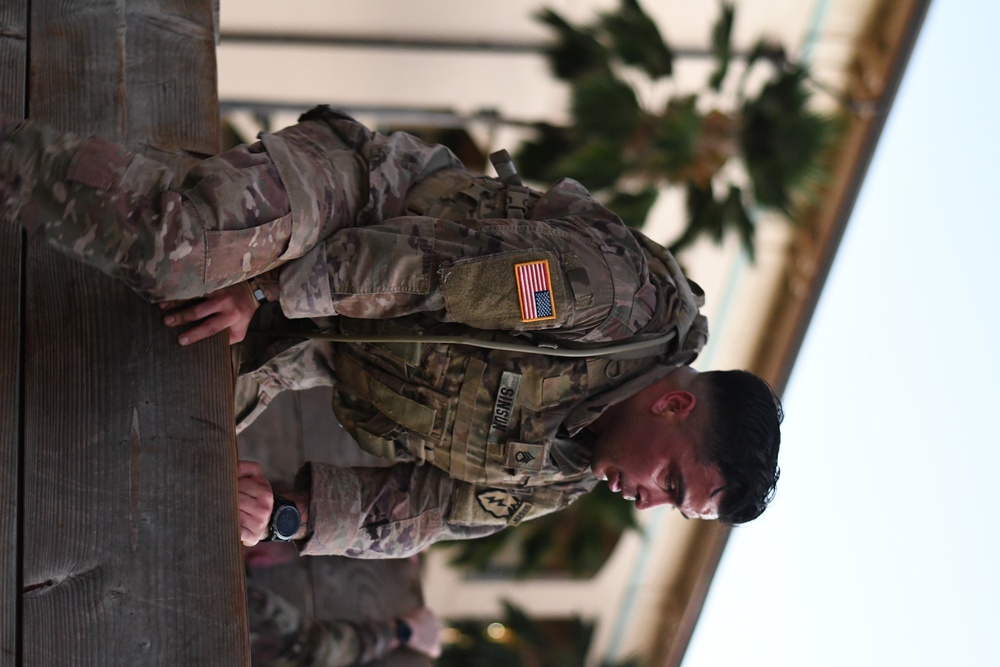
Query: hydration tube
{"points": [[650, 347]]}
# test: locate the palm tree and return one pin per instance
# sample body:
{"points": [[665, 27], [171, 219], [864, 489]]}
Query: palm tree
{"points": [[624, 151]]}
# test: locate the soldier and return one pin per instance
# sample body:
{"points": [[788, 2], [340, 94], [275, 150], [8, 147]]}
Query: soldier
{"points": [[372, 237]]}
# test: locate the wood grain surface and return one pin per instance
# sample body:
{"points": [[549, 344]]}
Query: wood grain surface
{"points": [[13, 69], [130, 549]]}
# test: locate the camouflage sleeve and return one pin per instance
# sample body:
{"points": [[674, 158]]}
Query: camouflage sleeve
{"points": [[281, 637], [398, 511], [574, 277], [171, 235], [323, 201]]}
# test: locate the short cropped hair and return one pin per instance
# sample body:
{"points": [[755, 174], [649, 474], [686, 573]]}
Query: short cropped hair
{"points": [[742, 440]]}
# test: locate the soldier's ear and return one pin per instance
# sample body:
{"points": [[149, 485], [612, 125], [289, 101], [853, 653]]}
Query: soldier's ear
{"points": [[676, 403]]}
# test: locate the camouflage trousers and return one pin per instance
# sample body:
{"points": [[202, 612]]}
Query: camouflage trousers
{"points": [[281, 637], [174, 236]]}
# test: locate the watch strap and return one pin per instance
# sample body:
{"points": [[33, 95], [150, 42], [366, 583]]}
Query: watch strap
{"points": [[404, 632], [258, 292]]}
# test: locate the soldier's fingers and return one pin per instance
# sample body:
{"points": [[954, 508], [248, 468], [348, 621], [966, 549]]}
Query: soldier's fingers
{"points": [[198, 311], [255, 510], [246, 468], [170, 305], [254, 518], [206, 329], [255, 494], [248, 536]]}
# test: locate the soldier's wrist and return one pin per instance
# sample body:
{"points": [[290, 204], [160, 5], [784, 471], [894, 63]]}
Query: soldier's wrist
{"points": [[403, 631], [265, 287]]}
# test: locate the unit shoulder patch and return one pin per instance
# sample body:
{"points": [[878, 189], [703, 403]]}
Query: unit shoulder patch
{"points": [[503, 505]]}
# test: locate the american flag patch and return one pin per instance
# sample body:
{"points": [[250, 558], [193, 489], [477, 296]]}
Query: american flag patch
{"points": [[534, 291]]}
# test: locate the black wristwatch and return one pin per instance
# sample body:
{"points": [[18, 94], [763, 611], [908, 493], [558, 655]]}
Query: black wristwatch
{"points": [[285, 520]]}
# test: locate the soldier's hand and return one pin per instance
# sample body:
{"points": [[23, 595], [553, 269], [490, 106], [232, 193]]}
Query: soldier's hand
{"points": [[426, 632], [255, 500], [228, 309]]}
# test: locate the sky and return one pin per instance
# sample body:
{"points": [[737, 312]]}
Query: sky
{"points": [[882, 546]]}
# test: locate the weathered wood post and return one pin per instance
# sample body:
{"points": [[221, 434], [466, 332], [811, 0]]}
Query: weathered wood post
{"points": [[118, 538]]}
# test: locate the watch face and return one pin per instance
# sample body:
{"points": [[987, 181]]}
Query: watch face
{"points": [[286, 522]]}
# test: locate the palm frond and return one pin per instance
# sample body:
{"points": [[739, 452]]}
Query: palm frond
{"points": [[705, 217], [763, 49], [597, 165], [604, 106], [676, 133], [782, 138], [575, 51], [536, 158], [722, 45], [637, 41]]}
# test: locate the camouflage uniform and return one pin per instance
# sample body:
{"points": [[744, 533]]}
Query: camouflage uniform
{"points": [[389, 235], [281, 637]]}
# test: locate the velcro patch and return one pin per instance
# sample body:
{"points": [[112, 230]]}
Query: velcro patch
{"points": [[484, 292], [525, 456], [534, 291]]}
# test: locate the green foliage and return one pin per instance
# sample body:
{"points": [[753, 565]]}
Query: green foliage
{"points": [[675, 136], [575, 51], [605, 106], [782, 138], [722, 46], [541, 154], [622, 151], [525, 643], [598, 163], [634, 38], [711, 216]]}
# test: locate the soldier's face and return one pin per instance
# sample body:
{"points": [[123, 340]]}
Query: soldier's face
{"points": [[649, 455]]}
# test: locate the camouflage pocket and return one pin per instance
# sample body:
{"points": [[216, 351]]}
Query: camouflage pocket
{"points": [[404, 536], [236, 253], [99, 164]]}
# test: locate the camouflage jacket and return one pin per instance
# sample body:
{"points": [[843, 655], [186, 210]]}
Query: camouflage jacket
{"points": [[384, 233], [483, 438]]}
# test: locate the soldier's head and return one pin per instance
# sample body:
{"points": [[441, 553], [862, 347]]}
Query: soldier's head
{"points": [[741, 438], [706, 443]]}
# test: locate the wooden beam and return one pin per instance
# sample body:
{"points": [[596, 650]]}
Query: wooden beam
{"points": [[130, 551], [13, 66]]}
